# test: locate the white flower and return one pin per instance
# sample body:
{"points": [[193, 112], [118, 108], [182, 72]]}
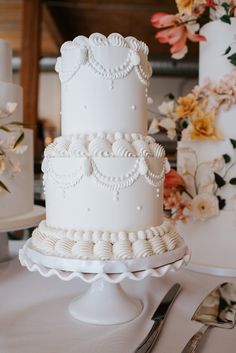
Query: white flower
{"points": [[189, 165], [154, 127], [205, 179], [149, 100], [218, 164], [20, 149], [11, 107], [169, 125], [192, 27], [180, 54], [204, 206], [167, 108]]}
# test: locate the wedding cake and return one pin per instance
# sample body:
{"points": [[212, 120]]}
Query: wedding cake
{"points": [[209, 166], [16, 146], [103, 177]]}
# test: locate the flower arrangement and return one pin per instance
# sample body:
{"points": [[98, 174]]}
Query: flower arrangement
{"points": [[10, 145], [176, 207], [193, 117], [205, 181], [178, 29]]}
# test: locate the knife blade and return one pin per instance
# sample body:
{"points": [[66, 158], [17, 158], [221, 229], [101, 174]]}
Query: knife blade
{"points": [[158, 317]]}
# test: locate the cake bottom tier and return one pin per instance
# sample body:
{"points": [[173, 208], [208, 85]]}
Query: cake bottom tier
{"points": [[107, 266], [95, 251], [213, 242]]}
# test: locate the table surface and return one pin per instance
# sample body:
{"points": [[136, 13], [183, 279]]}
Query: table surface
{"points": [[34, 315]]}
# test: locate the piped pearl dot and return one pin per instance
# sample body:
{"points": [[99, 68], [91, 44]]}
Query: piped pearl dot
{"points": [[139, 208], [88, 209], [85, 107], [116, 195], [133, 107], [111, 84]]}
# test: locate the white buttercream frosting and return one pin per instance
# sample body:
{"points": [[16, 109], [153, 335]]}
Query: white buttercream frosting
{"points": [[82, 249], [105, 245], [105, 145], [81, 51]]}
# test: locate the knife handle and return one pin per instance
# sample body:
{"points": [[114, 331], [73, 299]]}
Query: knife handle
{"points": [[193, 343], [147, 344]]}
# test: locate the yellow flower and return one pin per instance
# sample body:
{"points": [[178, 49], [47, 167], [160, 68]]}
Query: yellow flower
{"points": [[203, 126], [186, 6], [186, 106]]}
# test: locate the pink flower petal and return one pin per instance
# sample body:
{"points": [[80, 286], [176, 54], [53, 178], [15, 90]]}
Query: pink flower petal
{"points": [[178, 46], [196, 37], [162, 19]]}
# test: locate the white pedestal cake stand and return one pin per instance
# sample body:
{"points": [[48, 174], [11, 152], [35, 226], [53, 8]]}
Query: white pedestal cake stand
{"points": [[105, 302], [25, 221]]}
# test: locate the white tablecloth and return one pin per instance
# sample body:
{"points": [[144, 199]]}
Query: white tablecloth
{"points": [[34, 315]]}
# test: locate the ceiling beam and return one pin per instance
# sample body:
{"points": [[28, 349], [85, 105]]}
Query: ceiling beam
{"points": [[52, 27]]}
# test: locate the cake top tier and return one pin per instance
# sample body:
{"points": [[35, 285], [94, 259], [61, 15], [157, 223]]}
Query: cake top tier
{"points": [[213, 63], [112, 57], [104, 84], [5, 61]]}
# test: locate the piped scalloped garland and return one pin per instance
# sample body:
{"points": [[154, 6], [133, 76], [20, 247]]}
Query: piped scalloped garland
{"points": [[105, 145], [105, 245], [113, 183], [80, 52]]}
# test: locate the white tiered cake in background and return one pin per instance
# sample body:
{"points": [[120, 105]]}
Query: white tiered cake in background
{"points": [[213, 163], [16, 163], [103, 177]]}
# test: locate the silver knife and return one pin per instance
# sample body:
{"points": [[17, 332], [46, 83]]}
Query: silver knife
{"points": [[158, 317]]}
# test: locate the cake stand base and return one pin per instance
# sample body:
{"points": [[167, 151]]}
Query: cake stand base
{"points": [[105, 304]]}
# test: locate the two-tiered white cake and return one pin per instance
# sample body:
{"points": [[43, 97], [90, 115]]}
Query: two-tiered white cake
{"points": [[103, 177]]}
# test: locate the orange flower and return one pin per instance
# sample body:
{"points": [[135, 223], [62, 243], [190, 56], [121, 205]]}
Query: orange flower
{"points": [[203, 126], [186, 106], [173, 181]]}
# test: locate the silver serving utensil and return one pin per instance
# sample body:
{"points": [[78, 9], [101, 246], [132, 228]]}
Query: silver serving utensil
{"points": [[158, 317], [217, 309]]}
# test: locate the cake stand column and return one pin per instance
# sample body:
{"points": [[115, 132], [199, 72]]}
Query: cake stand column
{"points": [[105, 303], [4, 248]]}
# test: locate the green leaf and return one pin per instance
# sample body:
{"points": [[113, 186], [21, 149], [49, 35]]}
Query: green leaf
{"points": [[226, 19], [219, 180], [232, 59], [225, 6], [227, 158], [233, 142], [170, 96], [222, 202], [3, 186], [232, 181], [15, 123], [19, 140], [4, 128], [227, 51]]}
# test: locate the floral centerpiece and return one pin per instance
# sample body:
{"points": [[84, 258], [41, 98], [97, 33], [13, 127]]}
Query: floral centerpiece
{"points": [[178, 29], [10, 144], [196, 190]]}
